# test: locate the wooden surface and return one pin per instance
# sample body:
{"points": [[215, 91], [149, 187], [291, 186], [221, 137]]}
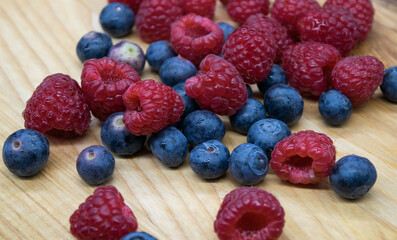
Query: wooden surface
{"points": [[38, 38]]}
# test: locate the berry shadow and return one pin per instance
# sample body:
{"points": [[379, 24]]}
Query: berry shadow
{"points": [[322, 185]]}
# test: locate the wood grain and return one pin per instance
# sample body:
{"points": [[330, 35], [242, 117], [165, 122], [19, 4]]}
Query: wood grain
{"points": [[39, 37]]}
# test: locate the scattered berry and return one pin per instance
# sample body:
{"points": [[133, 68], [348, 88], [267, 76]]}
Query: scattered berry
{"points": [[227, 29], [249, 213], [276, 76], [190, 104], [57, 107], [93, 45], [103, 215], [133, 4], [217, 86], [129, 53], [158, 52], [240, 10], [304, 157], [335, 107], [117, 19], [176, 70], [205, 8], [251, 112], [138, 236], [389, 84]]}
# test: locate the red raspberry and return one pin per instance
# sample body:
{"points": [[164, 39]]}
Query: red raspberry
{"points": [[358, 77], [224, 2], [288, 13], [133, 4], [240, 10], [151, 106], [103, 215], [217, 87], [279, 33], [304, 157], [308, 66], [362, 10], [155, 17], [194, 37], [252, 52], [205, 8], [249, 213], [332, 25], [57, 107], [103, 82]]}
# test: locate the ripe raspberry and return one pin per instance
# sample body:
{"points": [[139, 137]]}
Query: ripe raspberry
{"points": [[217, 87], [358, 77], [155, 17], [103, 215], [308, 66], [224, 2], [332, 25], [362, 10], [249, 214], [304, 157], [205, 8], [133, 4], [194, 37], [151, 106], [57, 107], [288, 13], [103, 82], [240, 10], [252, 52], [279, 33]]}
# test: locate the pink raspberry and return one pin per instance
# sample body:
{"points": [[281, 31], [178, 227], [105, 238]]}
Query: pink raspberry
{"points": [[205, 8], [240, 10]]}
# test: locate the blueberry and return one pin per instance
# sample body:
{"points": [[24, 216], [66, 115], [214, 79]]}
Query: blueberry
{"points": [[129, 53], [25, 152], [117, 19], [276, 76], [335, 107], [190, 103], [251, 112], [266, 133], [93, 45], [202, 125], [352, 176], [249, 91], [284, 103], [176, 70], [248, 164], [389, 85], [117, 139], [170, 146], [210, 159], [138, 236], [95, 165], [227, 29], [158, 52]]}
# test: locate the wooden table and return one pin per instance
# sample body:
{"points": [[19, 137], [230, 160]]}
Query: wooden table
{"points": [[39, 38]]}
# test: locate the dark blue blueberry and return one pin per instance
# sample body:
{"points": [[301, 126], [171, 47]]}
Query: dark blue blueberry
{"points": [[249, 91], [251, 112], [210, 159], [202, 125], [266, 133], [335, 107], [284, 103], [276, 76], [170, 146], [227, 29], [129, 53], [95, 165], [117, 139], [117, 19], [190, 103], [93, 45], [25, 152], [176, 70], [248, 164], [158, 52], [138, 236], [352, 176], [389, 85]]}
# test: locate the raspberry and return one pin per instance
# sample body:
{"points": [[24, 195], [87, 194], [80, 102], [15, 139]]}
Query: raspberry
{"points": [[133, 4], [205, 8], [57, 107], [308, 66], [224, 2], [240, 10], [279, 33], [103, 82], [288, 13], [358, 77], [332, 25], [249, 214], [155, 17], [151, 106], [217, 87], [194, 37], [304, 157], [252, 52], [103, 215], [362, 10]]}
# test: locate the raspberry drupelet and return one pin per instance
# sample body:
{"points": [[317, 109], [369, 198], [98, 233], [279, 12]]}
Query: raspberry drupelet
{"points": [[240, 10], [205, 8]]}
